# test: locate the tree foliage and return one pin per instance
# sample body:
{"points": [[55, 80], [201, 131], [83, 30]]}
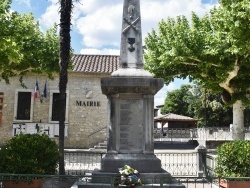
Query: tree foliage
{"points": [[211, 111], [23, 46], [213, 49], [178, 101], [199, 103]]}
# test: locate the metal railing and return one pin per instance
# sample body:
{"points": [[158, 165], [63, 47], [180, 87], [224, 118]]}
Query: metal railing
{"points": [[173, 134], [81, 162], [213, 134], [217, 133], [185, 134], [178, 164]]}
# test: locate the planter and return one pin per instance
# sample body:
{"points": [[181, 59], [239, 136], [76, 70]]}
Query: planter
{"points": [[23, 184], [234, 184]]}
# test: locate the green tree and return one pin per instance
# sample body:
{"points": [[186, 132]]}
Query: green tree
{"points": [[24, 47], [178, 101], [211, 112], [199, 103], [65, 49], [213, 49]]}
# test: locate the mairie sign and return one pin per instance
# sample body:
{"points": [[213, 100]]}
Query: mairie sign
{"points": [[88, 103]]}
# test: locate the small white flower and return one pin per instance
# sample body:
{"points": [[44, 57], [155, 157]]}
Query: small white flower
{"points": [[129, 179], [126, 166], [135, 171], [126, 172]]}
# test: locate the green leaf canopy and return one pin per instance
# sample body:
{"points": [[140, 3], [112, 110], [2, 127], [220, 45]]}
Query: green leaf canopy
{"points": [[213, 49], [24, 47]]}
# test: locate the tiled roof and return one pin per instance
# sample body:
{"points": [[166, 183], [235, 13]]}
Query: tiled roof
{"points": [[173, 117], [95, 63]]}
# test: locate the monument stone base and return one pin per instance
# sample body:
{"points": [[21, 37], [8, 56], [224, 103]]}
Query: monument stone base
{"points": [[143, 163], [149, 180]]}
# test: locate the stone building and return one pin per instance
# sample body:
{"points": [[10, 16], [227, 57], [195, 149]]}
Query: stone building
{"points": [[22, 110]]}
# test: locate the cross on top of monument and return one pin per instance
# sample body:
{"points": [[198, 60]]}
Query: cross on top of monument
{"points": [[131, 56]]}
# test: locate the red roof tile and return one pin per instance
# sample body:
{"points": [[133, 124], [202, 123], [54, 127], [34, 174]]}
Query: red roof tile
{"points": [[95, 63]]}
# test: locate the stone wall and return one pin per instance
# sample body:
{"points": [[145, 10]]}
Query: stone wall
{"points": [[87, 108]]}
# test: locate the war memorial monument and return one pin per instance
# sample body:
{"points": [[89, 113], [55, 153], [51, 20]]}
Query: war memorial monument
{"points": [[130, 91]]}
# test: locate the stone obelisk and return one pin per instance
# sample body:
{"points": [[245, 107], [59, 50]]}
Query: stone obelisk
{"points": [[130, 92]]}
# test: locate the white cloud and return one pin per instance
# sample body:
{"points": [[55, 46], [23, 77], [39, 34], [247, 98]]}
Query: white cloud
{"points": [[102, 27], [153, 11], [51, 16], [90, 6], [105, 51], [99, 21]]}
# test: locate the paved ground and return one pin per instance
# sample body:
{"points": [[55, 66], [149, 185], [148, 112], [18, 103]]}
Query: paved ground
{"points": [[55, 183]]}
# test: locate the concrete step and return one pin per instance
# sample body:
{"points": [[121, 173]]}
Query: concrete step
{"points": [[102, 146]]}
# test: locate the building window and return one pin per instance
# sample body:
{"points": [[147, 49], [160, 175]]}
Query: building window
{"points": [[54, 106], [1, 107], [23, 106]]}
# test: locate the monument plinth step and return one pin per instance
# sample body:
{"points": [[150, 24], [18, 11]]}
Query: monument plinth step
{"points": [[143, 163], [92, 185], [101, 179], [100, 147]]}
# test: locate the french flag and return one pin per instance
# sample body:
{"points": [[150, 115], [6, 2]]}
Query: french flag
{"points": [[36, 90]]}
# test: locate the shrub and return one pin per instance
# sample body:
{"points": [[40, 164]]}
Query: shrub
{"points": [[29, 154], [233, 159]]}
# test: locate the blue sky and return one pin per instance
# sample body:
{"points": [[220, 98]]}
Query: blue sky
{"points": [[96, 24]]}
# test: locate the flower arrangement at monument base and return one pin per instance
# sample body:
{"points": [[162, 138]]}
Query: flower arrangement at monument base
{"points": [[129, 177]]}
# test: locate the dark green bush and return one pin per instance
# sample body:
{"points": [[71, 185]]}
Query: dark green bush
{"points": [[233, 159], [29, 154]]}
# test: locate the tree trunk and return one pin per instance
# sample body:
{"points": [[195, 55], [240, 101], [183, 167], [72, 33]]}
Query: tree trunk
{"points": [[65, 22], [238, 130]]}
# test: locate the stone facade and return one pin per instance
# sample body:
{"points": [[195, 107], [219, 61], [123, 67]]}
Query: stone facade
{"points": [[87, 108]]}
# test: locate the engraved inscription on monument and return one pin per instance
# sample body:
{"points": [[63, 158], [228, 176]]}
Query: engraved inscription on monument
{"points": [[131, 128]]}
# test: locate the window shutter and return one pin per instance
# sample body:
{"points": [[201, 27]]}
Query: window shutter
{"points": [[24, 106], [1, 107]]}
